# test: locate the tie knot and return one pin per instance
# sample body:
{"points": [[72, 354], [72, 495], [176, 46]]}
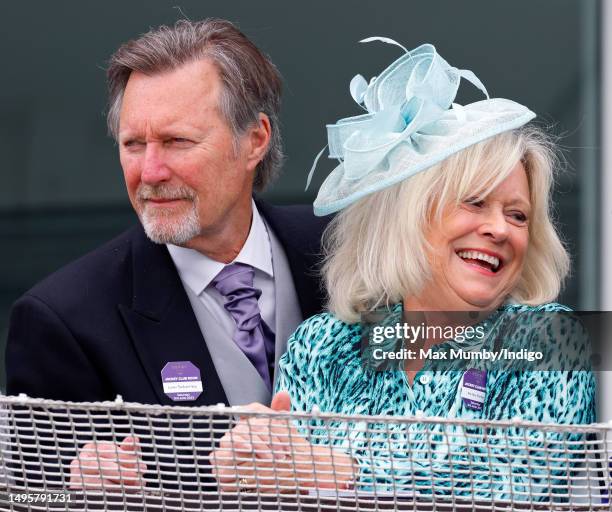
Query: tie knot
{"points": [[237, 276], [252, 335]]}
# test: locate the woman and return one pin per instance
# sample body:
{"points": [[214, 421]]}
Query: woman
{"points": [[442, 208]]}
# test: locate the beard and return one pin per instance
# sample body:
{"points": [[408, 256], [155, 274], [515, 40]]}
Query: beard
{"points": [[176, 225]]}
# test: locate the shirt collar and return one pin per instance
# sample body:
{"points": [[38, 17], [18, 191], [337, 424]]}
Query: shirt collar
{"points": [[198, 270]]}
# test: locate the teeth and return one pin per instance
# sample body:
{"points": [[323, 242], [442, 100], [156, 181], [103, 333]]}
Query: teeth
{"points": [[475, 255]]}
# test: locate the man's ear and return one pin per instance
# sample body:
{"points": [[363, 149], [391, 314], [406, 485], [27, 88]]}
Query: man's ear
{"points": [[257, 140]]}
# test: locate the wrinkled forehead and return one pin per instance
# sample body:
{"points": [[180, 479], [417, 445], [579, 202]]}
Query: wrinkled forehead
{"points": [[187, 94]]}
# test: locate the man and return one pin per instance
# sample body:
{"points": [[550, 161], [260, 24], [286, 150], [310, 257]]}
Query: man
{"points": [[208, 289], [195, 306]]}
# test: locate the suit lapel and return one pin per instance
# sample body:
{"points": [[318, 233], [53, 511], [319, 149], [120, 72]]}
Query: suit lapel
{"points": [[299, 233], [288, 315], [161, 323]]}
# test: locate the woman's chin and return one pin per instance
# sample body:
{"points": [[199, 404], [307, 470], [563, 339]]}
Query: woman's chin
{"points": [[484, 303], [481, 300]]}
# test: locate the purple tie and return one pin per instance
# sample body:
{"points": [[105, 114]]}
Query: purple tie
{"points": [[252, 335]]}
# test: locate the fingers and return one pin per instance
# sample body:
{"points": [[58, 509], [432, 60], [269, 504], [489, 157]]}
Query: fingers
{"points": [[253, 407], [227, 467], [276, 432], [240, 445], [266, 438], [239, 464], [88, 474], [130, 444], [129, 454], [245, 453], [108, 465], [281, 401], [266, 453], [230, 465], [333, 469], [320, 468], [252, 475], [302, 466]]}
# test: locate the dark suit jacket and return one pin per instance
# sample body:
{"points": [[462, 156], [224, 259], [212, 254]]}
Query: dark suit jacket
{"points": [[108, 323]]}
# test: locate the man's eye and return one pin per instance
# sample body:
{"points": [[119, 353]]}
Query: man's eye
{"points": [[131, 143], [179, 141]]}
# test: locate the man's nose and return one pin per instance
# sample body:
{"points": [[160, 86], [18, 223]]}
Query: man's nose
{"points": [[154, 168], [495, 225]]}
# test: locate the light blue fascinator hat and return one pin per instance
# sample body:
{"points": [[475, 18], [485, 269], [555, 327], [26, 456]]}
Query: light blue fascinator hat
{"points": [[411, 124]]}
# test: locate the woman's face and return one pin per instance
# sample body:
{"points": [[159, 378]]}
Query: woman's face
{"points": [[479, 248]]}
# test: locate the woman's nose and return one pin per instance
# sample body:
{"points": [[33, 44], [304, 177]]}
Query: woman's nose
{"points": [[495, 225]]}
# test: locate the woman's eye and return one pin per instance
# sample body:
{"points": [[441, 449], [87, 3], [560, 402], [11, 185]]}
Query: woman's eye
{"points": [[519, 216], [478, 203]]}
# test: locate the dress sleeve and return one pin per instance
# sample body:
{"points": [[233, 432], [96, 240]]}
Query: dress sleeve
{"points": [[546, 462], [569, 384]]}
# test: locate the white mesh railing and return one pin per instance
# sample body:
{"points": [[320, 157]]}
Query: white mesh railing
{"points": [[118, 456]]}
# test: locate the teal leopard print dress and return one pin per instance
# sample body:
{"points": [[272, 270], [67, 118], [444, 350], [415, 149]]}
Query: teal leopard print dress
{"points": [[323, 368]]}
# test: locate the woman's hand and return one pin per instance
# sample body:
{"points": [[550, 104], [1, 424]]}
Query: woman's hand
{"points": [[269, 455]]}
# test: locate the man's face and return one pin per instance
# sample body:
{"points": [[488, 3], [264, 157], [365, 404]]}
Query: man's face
{"points": [[184, 176]]}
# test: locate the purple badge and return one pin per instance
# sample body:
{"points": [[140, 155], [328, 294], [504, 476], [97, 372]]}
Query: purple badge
{"points": [[473, 388], [181, 380]]}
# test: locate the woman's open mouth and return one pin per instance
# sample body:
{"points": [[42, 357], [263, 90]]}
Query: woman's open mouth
{"points": [[491, 264]]}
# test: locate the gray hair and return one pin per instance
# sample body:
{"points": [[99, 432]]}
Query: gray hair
{"points": [[376, 253], [251, 83]]}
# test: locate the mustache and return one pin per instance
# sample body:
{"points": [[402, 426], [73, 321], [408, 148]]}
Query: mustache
{"points": [[164, 191]]}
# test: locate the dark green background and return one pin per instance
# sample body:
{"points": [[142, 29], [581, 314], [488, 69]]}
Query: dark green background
{"points": [[62, 191]]}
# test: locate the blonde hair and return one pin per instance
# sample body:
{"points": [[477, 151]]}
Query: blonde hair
{"points": [[376, 251]]}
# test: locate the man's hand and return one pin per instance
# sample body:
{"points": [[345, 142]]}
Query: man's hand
{"points": [[110, 466], [270, 455]]}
